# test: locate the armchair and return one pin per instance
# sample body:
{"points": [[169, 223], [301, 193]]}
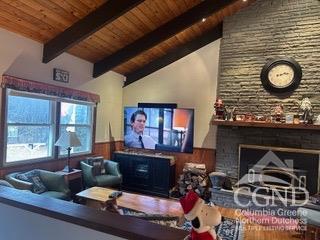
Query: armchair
{"points": [[111, 178], [309, 220], [55, 185]]}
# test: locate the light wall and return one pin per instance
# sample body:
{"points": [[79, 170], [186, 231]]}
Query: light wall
{"points": [[16, 223], [109, 112], [22, 57], [191, 83]]}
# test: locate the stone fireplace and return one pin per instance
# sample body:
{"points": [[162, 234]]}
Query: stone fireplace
{"points": [[228, 151], [251, 37], [240, 151], [256, 34], [288, 170], [229, 139]]}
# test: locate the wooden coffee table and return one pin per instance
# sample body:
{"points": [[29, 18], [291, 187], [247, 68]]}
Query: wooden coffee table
{"points": [[96, 196]]}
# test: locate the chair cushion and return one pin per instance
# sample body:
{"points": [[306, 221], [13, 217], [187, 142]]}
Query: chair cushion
{"points": [[54, 194], [108, 180], [98, 166], [34, 178], [5, 183]]}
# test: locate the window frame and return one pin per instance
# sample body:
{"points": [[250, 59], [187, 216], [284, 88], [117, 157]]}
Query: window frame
{"points": [[55, 103], [92, 118]]}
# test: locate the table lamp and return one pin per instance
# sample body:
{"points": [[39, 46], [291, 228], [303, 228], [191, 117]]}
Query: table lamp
{"points": [[68, 140]]}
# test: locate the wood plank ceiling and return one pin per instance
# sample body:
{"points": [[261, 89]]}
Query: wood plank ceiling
{"points": [[43, 20]]}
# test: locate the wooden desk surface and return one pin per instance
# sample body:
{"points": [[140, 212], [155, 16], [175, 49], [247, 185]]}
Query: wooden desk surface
{"points": [[147, 204]]}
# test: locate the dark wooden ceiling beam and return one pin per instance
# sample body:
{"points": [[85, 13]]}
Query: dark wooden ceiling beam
{"points": [[183, 50], [164, 32], [86, 26]]}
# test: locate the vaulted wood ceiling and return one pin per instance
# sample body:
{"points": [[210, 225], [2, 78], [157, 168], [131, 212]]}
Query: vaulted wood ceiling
{"points": [[127, 41]]}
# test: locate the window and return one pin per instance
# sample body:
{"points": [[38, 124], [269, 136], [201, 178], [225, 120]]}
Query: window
{"points": [[31, 125], [77, 118]]}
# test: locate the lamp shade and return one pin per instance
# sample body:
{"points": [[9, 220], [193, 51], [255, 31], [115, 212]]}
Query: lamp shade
{"points": [[180, 119], [68, 139]]}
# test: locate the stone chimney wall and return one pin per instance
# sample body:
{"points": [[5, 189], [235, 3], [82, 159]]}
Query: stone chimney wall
{"points": [[264, 30]]}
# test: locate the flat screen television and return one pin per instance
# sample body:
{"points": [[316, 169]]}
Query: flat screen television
{"points": [[162, 129]]}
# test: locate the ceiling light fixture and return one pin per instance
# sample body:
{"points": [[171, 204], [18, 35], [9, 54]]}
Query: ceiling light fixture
{"points": [[203, 19]]}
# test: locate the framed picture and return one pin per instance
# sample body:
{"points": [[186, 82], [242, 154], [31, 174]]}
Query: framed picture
{"points": [[289, 118], [240, 117], [60, 75]]}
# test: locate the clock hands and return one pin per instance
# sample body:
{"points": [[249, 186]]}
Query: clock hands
{"points": [[282, 74]]}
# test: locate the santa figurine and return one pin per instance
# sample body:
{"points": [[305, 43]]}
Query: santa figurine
{"points": [[220, 109], [202, 216]]}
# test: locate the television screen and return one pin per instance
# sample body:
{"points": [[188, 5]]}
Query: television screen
{"points": [[163, 129]]}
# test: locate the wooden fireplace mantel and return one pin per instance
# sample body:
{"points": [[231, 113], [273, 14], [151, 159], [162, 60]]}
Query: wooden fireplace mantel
{"points": [[265, 125]]}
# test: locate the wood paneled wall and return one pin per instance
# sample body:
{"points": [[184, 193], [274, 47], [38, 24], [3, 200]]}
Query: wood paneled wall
{"points": [[106, 149]]}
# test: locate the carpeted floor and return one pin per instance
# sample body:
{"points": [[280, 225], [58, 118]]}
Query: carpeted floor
{"points": [[229, 229]]}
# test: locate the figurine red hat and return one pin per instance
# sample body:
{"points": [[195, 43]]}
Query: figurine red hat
{"points": [[203, 217], [191, 205]]}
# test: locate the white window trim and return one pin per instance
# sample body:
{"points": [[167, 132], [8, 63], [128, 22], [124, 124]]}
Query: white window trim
{"points": [[54, 127], [47, 97]]}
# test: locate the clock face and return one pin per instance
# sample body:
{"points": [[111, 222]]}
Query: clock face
{"points": [[281, 75]]}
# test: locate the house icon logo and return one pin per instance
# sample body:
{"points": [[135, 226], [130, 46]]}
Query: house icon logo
{"points": [[273, 178]]}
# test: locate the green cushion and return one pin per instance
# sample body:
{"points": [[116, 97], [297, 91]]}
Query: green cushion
{"points": [[108, 180], [53, 181], [54, 194]]}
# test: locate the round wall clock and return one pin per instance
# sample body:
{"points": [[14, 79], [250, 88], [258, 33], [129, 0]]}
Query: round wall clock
{"points": [[281, 75]]}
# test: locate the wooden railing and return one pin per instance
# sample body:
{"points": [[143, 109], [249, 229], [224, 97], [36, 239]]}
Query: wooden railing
{"points": [[105, 222]]}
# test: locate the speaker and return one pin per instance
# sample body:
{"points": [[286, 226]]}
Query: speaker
{"points": [[157, 105]]}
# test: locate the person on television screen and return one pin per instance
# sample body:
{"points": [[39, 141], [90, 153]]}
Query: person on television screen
{"points": [[136, 138]]}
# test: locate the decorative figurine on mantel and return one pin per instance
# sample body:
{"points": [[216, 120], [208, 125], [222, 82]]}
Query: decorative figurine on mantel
{"points": [[230, 113], [317, 122], [278, 113], [220, 109], [306, 107]]}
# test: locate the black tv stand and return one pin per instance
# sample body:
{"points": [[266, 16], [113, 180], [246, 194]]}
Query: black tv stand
{"points": [[152, 174]]}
